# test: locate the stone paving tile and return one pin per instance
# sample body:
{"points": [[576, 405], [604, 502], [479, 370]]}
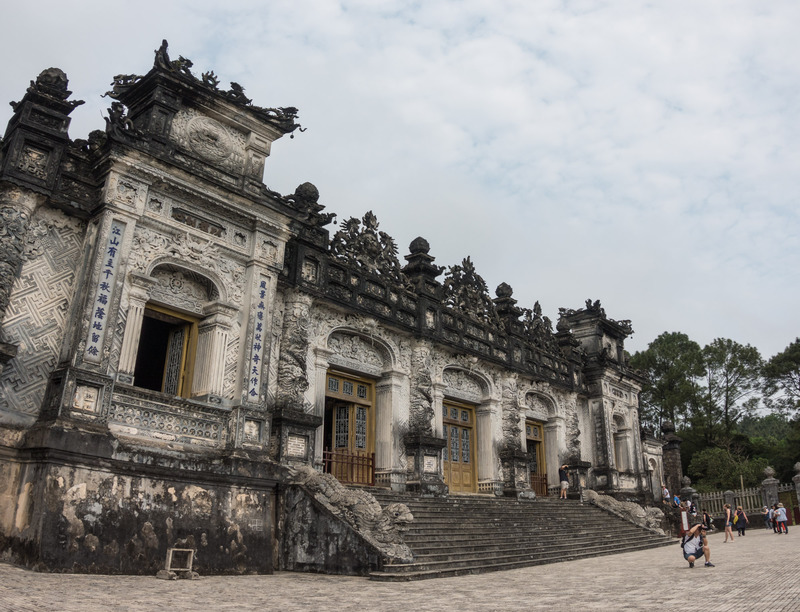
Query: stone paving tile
{"points": [[758, 572]]}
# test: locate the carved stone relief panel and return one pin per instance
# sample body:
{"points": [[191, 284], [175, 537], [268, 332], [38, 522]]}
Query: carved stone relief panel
{"points": [[182, 289], [85, 399], [150, 245], [355, 352], [33, 161], [461, 385], [538, 407], [512, 429], [387, 345], [125, 191], [209, 139]]}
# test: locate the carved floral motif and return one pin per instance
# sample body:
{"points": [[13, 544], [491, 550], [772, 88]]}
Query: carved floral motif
{"points": [[366, 248], [461, 384], [466, 292], [356, 349], [149, 246]]}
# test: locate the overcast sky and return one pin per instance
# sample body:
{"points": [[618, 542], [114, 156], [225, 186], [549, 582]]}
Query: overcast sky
{"points": [[642, 154]]}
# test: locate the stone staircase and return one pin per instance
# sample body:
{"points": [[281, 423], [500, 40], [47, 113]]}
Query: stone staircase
{"points": [[459, 535]]}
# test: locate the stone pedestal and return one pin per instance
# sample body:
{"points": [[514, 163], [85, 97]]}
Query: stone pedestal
{"points": [[424, 454], [516, 482], [578, 472], [293, 435]]}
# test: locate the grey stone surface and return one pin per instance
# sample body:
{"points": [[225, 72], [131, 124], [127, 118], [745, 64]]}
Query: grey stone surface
{"points": [[645, 580]]}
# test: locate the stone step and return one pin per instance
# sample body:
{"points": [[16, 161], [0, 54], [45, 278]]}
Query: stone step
{"points": [[419, 574], [468, 534], [489, 551], [516, 556]]}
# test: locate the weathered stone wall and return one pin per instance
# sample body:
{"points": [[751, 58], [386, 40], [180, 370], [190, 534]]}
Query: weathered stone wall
{"points": [[91, 519], [312, 540]]}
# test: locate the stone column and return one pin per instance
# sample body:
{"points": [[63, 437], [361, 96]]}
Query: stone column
{"points": [[387, 396], [138, 295], [16, 209], [487, 465], [212, 342], [673, 469], [553, 441], [769, 486], [321, 365], [437, 403]]}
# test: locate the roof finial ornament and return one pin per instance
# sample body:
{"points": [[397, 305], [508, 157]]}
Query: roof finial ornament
{"points": [[162, 57]]}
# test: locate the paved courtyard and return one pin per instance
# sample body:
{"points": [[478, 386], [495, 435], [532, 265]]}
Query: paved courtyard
{"points": [[758, 572]]}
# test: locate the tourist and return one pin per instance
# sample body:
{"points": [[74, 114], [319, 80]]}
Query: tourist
{"points": [[564, 479], [740, 520], [728, 522], [707, 520], [665, 495], [773, 517], [695, 543], [780, 519], [676, 501], [765, 514]]}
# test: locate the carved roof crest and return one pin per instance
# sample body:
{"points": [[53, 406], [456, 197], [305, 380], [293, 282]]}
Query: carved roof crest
{"points": [[282, 117], [367, 248], [467, 292], [539, 329]]}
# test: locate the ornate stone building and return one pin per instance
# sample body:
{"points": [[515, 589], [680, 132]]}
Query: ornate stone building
{"points": [[177, 340]]}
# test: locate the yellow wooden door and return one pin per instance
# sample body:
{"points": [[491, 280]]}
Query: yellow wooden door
{"points": [[349, 433], [458, 455]]}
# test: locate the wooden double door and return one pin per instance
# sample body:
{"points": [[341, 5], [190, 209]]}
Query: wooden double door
{"points": [[348, 436], [458, 455]]}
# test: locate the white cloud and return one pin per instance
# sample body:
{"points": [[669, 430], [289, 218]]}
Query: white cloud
{"points": [[643, 155]]}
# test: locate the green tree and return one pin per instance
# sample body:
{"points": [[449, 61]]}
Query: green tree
{"points": [[733, 378], [782, 379], [673, 364], [712, 469]]}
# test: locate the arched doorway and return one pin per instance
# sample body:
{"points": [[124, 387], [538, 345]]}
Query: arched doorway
{"points": [[458, 455], [349, 428], [537, 464]]}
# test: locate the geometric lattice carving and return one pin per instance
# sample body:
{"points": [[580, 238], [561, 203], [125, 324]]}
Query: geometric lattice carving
{"points": [[36, 317]]}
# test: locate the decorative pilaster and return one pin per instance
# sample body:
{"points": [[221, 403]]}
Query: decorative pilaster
{"points": [[138, 295], [487, 468], [387, 397], [292, 365], [321, 365], [212, 343]]}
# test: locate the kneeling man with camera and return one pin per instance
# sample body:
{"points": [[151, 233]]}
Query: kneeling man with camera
{"points": [[695, 543]]}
